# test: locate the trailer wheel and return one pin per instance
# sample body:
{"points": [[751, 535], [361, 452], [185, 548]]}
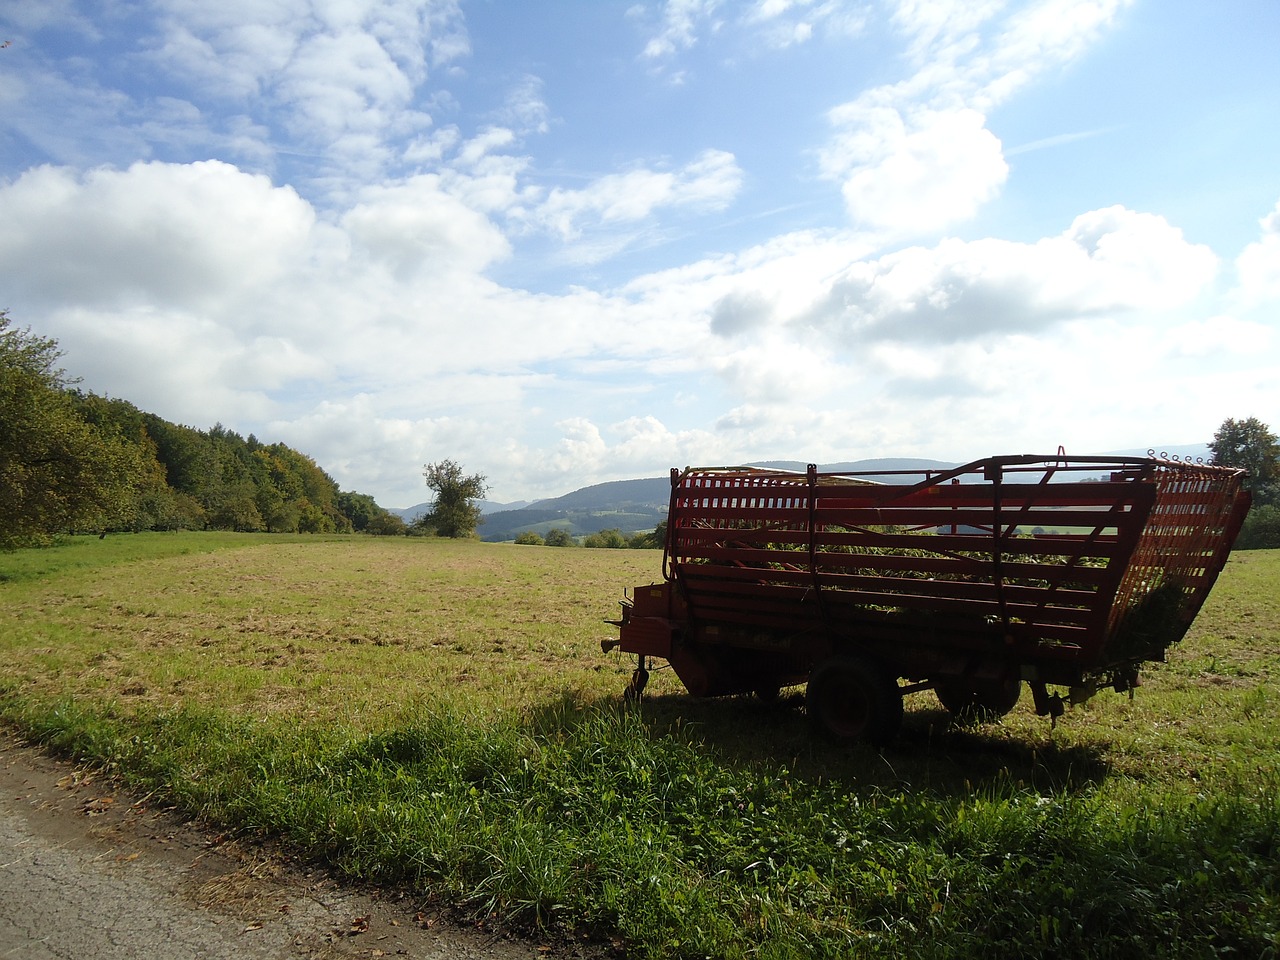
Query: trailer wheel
{"points": [[982, 702], [851, 698]]}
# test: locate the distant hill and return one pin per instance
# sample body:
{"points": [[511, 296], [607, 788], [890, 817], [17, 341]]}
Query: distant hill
{"points": [[1183, 451], [651, 492], [631, 506], [409, 514], [857, 466], [635, 506]]}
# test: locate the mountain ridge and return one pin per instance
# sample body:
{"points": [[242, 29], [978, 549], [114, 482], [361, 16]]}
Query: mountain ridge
{"points": [[639, 505]]}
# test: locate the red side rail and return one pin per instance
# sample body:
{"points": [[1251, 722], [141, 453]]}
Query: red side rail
{"points": [[1044, 556]]}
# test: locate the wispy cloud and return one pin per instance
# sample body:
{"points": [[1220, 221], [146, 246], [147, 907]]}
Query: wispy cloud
{"points": [[1058, 140], [708, 182], [679, 23]]}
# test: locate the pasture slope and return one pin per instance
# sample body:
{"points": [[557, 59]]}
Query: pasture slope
{"points": [[436, 718]]}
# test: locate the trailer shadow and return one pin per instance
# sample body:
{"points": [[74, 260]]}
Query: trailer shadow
{"points": [[933, 753]]}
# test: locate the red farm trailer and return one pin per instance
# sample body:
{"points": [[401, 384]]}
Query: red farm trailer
{"points": [[1060, 571]]}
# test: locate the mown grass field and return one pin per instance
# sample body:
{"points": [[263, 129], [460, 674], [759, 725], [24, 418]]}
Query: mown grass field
{"points": [[438, 715]]}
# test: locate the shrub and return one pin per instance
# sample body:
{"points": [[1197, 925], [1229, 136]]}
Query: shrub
{"points": [[386, 525], [1261, 530], [611, 539], [654, 540]]}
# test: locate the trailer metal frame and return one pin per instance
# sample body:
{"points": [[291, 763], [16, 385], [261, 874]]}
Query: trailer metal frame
{"points": [[1055, 570]]}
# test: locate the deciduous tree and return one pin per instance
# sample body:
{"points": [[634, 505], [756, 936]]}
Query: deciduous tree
{"points": [[454, 513], [609, 539], [57, 473], [1250, 444], [557, 537], [655, 540], [386, 524]]}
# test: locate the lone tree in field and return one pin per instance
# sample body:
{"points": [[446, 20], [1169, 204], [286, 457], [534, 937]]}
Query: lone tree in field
{"points": [[453, 514], [1250, 444]]}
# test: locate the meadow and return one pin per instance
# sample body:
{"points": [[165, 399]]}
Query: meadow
{"points": [[438, 716]]}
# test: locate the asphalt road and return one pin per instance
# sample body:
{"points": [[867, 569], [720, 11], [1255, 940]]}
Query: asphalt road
{"points": [[90, 873]]}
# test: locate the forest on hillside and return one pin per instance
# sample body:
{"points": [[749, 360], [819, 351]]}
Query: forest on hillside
{"points": [[191, 479], [75, 462]]}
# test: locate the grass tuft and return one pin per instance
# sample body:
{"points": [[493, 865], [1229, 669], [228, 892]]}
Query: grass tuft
{"points": [[601, 824]]}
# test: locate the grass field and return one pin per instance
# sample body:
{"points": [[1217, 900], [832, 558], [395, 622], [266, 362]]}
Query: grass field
{"points": [[438, 715]]}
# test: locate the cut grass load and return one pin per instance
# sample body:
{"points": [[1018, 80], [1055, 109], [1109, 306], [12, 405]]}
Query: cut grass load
{"points": [[438, 715]]}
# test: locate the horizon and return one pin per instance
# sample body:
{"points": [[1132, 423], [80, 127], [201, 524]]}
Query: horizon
{"points": [[570, 245], [1174, 450]]}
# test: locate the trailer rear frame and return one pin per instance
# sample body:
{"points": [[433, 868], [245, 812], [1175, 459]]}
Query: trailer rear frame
{"points": [[1055, 570]]}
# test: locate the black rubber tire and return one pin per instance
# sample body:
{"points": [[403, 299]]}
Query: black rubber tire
{"points": [[980, 702], [854, 699]]}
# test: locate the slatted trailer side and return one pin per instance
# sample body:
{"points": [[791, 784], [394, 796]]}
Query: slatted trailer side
{"points": [[1067, 571]]}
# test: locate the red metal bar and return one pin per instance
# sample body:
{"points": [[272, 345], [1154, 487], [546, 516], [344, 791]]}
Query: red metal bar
{"points": [[937, 561]]}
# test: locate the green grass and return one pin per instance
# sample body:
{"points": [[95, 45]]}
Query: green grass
{"points": [[78, 554], [437, 715]]}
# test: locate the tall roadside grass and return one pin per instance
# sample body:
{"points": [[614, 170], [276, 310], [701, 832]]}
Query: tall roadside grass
{"points": [[676, 828], [582, 820]]}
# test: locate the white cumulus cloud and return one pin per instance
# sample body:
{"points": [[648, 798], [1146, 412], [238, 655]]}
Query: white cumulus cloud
{"points": [[1106, 261], [182, 234], [415, 227], [916, 156], [908, 171], [1258, 266]]}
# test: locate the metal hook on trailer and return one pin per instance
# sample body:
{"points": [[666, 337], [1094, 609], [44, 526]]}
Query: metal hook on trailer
{"points": [[635, 689]]}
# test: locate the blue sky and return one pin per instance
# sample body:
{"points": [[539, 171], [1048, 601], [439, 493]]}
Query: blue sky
{"points": [[570, 242]]}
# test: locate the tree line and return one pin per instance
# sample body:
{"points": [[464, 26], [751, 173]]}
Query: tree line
{"points": [[610, 538], [75, 462], [1249, 443]]}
